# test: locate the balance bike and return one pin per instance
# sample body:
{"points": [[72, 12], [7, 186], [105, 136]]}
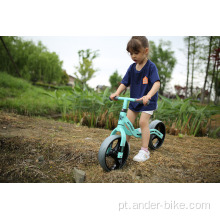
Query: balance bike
{"points": [[114, 150]]}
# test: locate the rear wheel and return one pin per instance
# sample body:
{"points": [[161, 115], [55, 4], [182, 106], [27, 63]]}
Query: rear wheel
{"points": [[108, 153], [155, 141]]}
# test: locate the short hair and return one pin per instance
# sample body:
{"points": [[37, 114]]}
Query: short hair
{"points": [[136, 43]]}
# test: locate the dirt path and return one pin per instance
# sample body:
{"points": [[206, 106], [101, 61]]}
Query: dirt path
{"points": [[42, 150]]}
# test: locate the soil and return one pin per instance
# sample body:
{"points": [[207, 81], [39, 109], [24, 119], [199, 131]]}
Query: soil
{"points": [[34, 149]]}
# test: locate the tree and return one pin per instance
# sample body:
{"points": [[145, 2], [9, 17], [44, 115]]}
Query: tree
{"points": [[207, 70], [10, 56], [187, 39], [85, 68], [115, 80], [35, 62], [193, 63], [165, 61], [193, 58], [215, 63], [64, 78], [217, 79]]}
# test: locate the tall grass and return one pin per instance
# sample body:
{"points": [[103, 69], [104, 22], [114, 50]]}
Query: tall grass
{"points": [[95, 110], [185, 116], [87, 107]]}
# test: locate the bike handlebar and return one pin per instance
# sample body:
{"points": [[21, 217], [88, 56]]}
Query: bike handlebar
{"points": [[128, 99]]}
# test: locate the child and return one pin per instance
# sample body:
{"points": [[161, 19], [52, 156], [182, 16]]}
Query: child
{"points": [[143, 79]]}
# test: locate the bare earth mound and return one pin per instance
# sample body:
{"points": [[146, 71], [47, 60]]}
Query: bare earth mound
{"points": [[42, 150]]}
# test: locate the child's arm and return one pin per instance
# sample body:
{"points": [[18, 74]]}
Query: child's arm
{"points": [[151, 93], [120, 89]]}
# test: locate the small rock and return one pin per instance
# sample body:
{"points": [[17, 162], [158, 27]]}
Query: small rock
{"points": [[40, 159], [88, 138], [79, 175]]}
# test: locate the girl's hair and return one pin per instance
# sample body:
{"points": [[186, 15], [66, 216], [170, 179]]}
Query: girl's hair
{"points": [[136, 43]]}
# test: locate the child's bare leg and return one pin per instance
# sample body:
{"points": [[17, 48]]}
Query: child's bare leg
{"points": [[145, 131], [144, 154], [131, 115]]}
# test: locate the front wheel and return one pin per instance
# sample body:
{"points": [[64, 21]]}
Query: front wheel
{"points": [[108, 153], [155, 141]]}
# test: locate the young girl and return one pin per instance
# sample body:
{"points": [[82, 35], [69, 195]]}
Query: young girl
{"points": [[143, 79]]}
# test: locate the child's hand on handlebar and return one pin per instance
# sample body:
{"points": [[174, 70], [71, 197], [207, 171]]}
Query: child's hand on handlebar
{"points": [[112, 96], [145, 99]]}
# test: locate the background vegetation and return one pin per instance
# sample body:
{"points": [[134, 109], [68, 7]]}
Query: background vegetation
{"points": [[203, 57], [31, 62], [33, 82], [87, 107]]}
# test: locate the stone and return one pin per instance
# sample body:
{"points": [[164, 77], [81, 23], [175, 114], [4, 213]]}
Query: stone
{"points": [[79, 175], [40, 159]]}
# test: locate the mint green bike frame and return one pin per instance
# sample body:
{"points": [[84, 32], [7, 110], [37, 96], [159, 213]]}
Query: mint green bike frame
{"points": [[124, 123]]}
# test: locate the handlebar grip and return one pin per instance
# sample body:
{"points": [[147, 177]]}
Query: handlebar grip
{"points": [[141, 102], [115, 98]]}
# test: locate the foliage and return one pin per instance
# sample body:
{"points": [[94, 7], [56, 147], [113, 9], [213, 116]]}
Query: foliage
{"points": [[64, 78], [202, 51], [163, 57], [194, 45], [85, 68], [180, 116], [87, 107], [185, 116], [35, 62], [115, 80]]}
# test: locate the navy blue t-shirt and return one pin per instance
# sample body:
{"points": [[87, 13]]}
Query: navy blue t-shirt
{"points": [[140, 83]]}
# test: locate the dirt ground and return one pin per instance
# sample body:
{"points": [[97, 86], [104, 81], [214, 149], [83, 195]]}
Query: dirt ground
{"points": [[36, 149]]}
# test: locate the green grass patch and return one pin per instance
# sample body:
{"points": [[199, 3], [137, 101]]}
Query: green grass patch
{"points": [[18, 95]]}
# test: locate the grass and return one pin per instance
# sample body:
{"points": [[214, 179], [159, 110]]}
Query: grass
{"points": [[19, 96], [186, 116], [87, 107]]}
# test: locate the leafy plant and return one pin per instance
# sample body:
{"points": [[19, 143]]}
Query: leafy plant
{"points": [[187, 115]]}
